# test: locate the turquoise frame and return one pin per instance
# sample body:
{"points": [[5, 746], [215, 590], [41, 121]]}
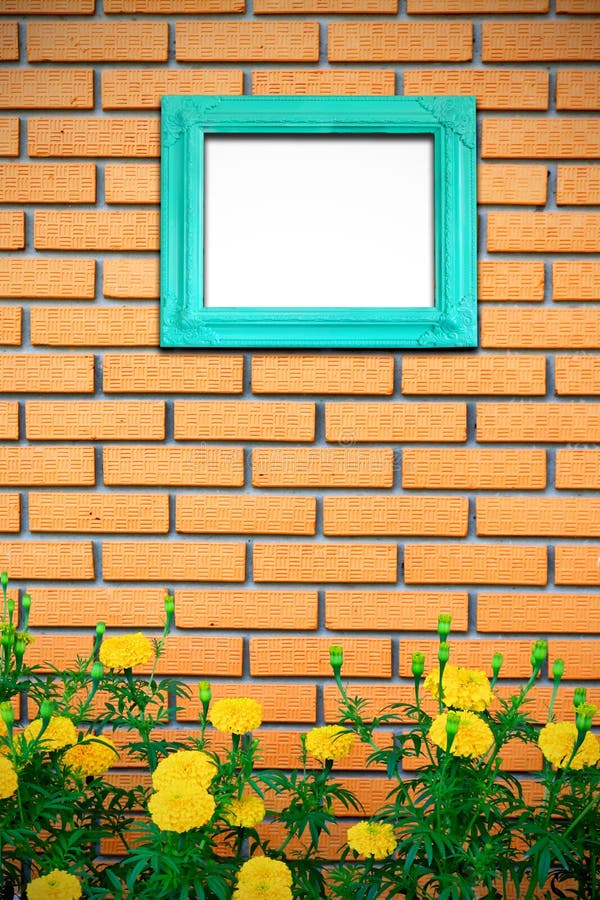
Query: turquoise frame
{"points": [[451, 322]]}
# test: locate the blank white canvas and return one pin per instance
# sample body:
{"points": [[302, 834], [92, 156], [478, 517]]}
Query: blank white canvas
{"points": [[318, 221]]}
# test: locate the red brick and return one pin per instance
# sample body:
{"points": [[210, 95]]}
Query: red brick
{"points": [[350, 422], [244, 420], [93, 137], [344, 563], [323, 81], [10, 325], [494, 88], [41, 560], [72, 279], [578, 185], [539, 328], [143, 88], [364, 515], [578, 469], [83, 607], [36, 373], [538, 613], [538, 422], [283, 656], [162, 466], [9, 137], [400, 41], [577, 565], [510, 280], [322, 467], [527, 41], [247, 609], [46, 88], [97, 41], [247, 41], [474, 564], [423, 374], [45, 466], [96, 230], [533, 138], [100, 326], [578, 280], [538, 516], [472, 469], [393, 610], [12, 230], [172, 561], [94, 420], [245, 514], [110, 513], [150, 373], [303, 374], [9, 420]]}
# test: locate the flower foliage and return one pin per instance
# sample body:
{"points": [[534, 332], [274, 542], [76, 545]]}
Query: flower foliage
{"points": [[329, 742], [60, 732], [236, 715], [125, 651], [8, 778]]}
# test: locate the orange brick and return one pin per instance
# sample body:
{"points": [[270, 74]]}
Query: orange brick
{"points": [[540, 327], [580, 657], [303, 374], [344, 563], [132, 183], [10, 325], [577, 375], [9, 137], [394, 610], [539, 422], [245, 514], [246, 610], [531, 138], [143, 88], [349, 422], [280, 702], [95, 420], [578, 185], [46, 374], [538, 516], [470, 652], [173, 561], [363, 657], [96, 230], [447, 374], [474, 469], [127, 278], [377, 697], [46, 88], [474, 564], [578, 280], [323, 81], [326, 7], [120, 607], [190, 466], [9, 40], [578, 469], [365, 516], [400, 41], [45, 466], [47, 183], [97, 41], [322, 467], [185, 373], [111, 513], [234, 420], [247, 41], [541, 232], [586, 7], [101, 326], [541, 613], [494, 88], [577, 565], [578, 89], [512, 184], [64, 560], [10, 512], [527, 41], [44, 278], [9, 420], [495, 7], [40, 7], [169, 7], [12, 230], [510, 280], [283, 749], [93, 137]]}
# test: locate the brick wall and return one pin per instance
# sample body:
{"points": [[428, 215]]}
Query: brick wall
{"points": [[291, 500]]}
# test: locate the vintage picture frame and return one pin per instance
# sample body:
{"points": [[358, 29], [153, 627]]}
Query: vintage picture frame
{"points": [[449, 321]]}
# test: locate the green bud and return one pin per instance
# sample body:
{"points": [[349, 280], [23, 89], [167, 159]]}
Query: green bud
{"points": [[7, 713], [4, 579], [336, 657], [444, 622], [6, 639], [584, 716], [205, 691], [558, 669], [452, 726], [11, 606], [100, 629], [418, 664], [20, 646], [579, 696], [46, 709], [26, 601], [169, 605], [497, 660], [97, 671], [539, 652], [444, 652]]}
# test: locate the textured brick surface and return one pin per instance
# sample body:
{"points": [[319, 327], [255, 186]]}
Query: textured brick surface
{"points": [[46, 88], [363, 657], [395, 515], [578, 89], [92, 230], [319, 81], [114, 514], [9, 420], [473, 375], [469, 652], [93, 137], [393, 610], [581, 657], [188, 466], [291, 610], [544, 516], [344, 563], [325, 7], [474, 469], [495, 7], [173, 561], [280, 702], [566, 613], [143, 88], [578, 185], [242, 420], [577, 564], [494, 88], [83, 607], [576, 280], [239, 514], [474, 564], [348, 422], [540, 327], [46, 278], [526, 41], [399, 41], [173, 6], [12, 230], [576, 469], [589, 7], [46, 374], [125, 326], [534, 138], [548, 422], [299, 374], [182, 374], [343, 467], [10, 325], [9, 137], [125, 278], [47, 183], [511, 280], [40, 560], [131, 183], [46, 466], [10, 512], [512, 184], [97, 41], [577, 375], [40, 7], [93, 420], [538, 232], [247, 41], [9, 40]]}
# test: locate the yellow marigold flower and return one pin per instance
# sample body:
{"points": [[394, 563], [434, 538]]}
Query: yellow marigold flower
{"points": [[181, 807], [60, 732], [192, 766], [374, 839], [463, 688], [473, 738], [329, 742], [262, 877], [245, 812], [124, 651], [3, 734], [8, 778], [236, 715], [92, 756], [556, 741], [57, 885]]}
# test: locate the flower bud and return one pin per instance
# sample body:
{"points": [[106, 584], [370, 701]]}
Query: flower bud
{"points": [[97, 671], [418, 664], [444, 622], [4, 579], [444, 652], [558, 669], [169, 602], [7, 713], [336, 657], [579, 696], [100, 629], [497, 660], [46, 709], [584, 716], [11, 606], [26, 601], [6, 639], [205, 691], [20, 646], [452, 726], [539, 652]]}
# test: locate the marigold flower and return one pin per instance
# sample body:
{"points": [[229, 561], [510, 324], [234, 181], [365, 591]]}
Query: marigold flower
{"points": [[191, 766], [92, 756], [8, 778], [374, 839], [3, 734], [57, 885], [245, 812], [124, 651], [462, 688], [236, 715], [263, 878], [60, 732], [473, 738], [329, 742], [181, 807], [556, 741]]}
